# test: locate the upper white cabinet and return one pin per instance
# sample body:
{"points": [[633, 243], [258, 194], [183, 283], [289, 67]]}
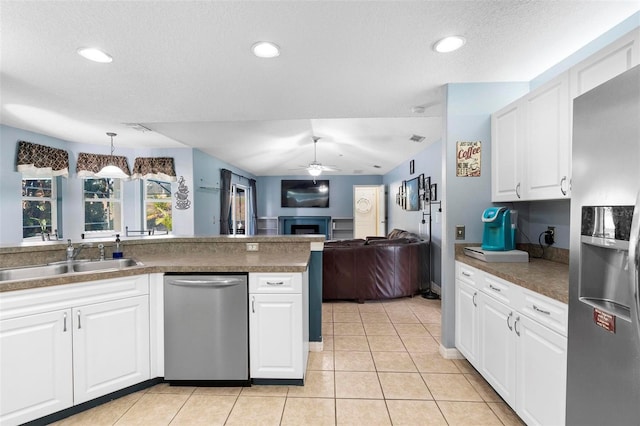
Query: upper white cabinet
{"points": [[605, 64], [531, 137], [531, 145]]}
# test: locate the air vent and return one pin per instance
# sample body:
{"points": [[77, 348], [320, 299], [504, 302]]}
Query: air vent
{"points": [[137, 126], [416, 138]]}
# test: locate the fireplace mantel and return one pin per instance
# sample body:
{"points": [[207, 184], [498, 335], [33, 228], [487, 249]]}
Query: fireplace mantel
{"points": [[322, 222]]}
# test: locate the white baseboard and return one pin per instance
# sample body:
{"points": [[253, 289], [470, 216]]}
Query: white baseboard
{"points": [[450, 353], [315, 346]]}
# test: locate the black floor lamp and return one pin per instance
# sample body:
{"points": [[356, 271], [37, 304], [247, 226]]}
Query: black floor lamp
{"points": [[429, 197]]}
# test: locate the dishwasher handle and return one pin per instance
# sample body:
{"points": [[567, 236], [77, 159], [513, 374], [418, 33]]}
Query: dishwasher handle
{"points": [[217, 282]]}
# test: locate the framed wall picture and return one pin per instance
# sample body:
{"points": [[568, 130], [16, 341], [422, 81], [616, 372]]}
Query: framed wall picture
{"points": [[412, 167], [468, 158], [413, 196]]}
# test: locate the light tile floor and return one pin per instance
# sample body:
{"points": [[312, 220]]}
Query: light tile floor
{"points": [[380, 366]]}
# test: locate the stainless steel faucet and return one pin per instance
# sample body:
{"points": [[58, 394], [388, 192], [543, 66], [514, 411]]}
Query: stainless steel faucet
{"points": [[72, 252]]}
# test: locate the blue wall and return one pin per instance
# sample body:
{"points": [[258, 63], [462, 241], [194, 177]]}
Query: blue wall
{"points": [[340, 195]]}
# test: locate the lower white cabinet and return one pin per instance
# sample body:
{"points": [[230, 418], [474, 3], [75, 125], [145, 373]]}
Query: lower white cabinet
{"points": [[520, 350], [278, 325], [64, 345]]}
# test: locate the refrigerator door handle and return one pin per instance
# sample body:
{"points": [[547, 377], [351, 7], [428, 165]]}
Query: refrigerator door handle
{"points": [[634, 261]]}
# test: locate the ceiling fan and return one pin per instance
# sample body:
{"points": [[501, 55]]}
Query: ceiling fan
{"points": [[315, 168]]}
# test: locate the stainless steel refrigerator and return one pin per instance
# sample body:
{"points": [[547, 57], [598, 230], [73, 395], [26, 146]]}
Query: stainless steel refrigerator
{"points": [[603, 371]]}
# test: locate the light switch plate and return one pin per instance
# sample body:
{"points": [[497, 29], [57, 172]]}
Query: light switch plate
{"points": [[459, 232]]}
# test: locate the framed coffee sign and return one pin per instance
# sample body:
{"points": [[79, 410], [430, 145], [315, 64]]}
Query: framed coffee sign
{"points": [[468, 158]]}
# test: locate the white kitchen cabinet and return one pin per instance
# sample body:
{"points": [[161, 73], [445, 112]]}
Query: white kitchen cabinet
{"points": [[110, 346], [467, 314], [64, 345], [278, 325], [497, 347], [531, 145], [35, 366], [541, 357], [547, 141], [507, 137], [522, 343], [605, 64]]}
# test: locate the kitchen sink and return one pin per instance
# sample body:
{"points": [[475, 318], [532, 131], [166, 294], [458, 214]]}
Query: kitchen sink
{"points": [[42, 271], [57, 268], [99, 265]]}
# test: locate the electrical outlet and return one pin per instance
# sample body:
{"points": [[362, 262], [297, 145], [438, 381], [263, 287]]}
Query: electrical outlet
{"points": [[252, 246], [550, 235], [459, 232]]}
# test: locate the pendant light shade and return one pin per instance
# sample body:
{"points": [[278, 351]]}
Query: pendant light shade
{"points": [[111, 170]]}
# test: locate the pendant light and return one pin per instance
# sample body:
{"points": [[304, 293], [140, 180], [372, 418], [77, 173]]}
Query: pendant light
{"points": [[111, 170]]}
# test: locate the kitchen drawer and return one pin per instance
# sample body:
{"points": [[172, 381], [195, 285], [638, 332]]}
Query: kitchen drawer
{"points": [[546, 311], [289, 282], [501, 290], [468, 274]]}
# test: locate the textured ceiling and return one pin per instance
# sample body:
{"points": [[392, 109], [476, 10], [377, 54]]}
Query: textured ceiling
{"points": [[349, 71]]}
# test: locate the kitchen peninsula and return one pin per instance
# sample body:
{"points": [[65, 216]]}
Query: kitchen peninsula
{"points": [[87, 337]]}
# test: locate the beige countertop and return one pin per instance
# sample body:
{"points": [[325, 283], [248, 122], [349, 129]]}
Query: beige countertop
{"points": [[548, 278], [290, 258]]}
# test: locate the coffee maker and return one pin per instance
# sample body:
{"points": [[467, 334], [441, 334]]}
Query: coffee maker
{"points": [[498, 234]]}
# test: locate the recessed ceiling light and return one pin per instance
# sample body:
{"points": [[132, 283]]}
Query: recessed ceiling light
{"points": [[265, 49], [449, 44], [95, 55]]}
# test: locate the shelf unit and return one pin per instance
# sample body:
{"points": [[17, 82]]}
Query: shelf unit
{"points": [[267, 226], [341, 228]]}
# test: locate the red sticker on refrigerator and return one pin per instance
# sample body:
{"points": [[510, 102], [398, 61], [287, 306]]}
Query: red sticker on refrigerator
{"points": [[604, 320]]}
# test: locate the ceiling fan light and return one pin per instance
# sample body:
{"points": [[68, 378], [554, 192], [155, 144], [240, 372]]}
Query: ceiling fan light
{"points": [[314, 170]]}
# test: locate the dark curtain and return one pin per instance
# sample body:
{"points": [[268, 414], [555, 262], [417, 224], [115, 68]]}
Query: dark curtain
{"points": [[253, 208], [225, 201]]}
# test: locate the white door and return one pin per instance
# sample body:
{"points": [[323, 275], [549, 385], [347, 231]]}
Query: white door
{"points": [[110, 346], [467, 321], [541, 373], [35, 366], [275, 336], [497, 347], [369, 211]]}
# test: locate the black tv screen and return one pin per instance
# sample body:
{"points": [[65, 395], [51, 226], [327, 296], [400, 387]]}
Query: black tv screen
{"points": [[304, 193]]}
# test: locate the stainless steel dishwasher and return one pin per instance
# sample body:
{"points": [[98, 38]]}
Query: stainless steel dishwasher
{"points": [[206, 329]]}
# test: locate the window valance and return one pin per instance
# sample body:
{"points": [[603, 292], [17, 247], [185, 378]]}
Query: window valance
{"points": [[90, 164], [161, 168], [41, 160]]}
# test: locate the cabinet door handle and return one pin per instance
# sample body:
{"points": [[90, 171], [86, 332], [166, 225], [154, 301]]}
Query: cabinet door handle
{"points": [[508, 323], [518, 190], [64, 324], [496, 289], [542, 311], [253, 304], [275, 282], [79, 323], [466, 274], [562, 182], [473, 299], [515, 326]]}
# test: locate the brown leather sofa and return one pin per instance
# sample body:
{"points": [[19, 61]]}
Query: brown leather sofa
{"points": [[375, 268]]}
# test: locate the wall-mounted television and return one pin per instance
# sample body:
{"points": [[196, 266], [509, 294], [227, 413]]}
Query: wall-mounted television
{"points": [[304, 193]]}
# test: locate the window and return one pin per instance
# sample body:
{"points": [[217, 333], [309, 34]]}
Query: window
{"points": [[102, 205], [157, 205], [39, 208]]}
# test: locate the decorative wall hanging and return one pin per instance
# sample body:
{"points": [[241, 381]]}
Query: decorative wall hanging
{"points": [[412, 167], [41, 160], [468, 161], [182, 195], [160, 168]]}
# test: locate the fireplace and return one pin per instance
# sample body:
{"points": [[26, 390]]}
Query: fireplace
{"points": [[305, 229]]}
